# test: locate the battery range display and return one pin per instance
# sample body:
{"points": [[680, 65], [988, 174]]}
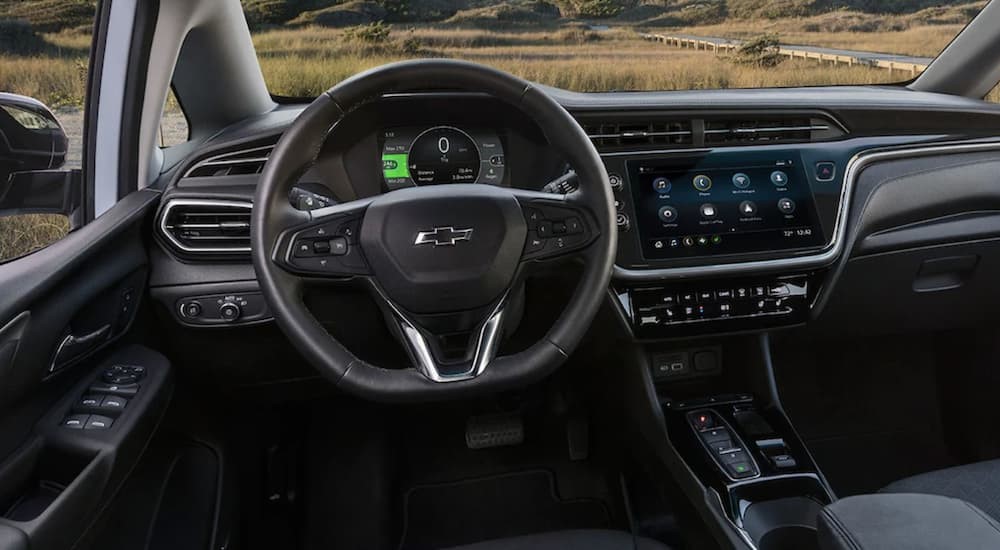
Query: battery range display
{"points": [[394, 166]]}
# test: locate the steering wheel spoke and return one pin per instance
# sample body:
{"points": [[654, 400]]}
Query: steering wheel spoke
{"points": [[450, 347], [326, 246], [558, 225]]}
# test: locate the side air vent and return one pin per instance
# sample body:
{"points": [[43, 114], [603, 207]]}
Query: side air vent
{"points": [[640, 134], [764, 130], [193, 226], [235, 163]]}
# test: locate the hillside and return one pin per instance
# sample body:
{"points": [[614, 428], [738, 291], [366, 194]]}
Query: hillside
{"points": [[59, 15]]}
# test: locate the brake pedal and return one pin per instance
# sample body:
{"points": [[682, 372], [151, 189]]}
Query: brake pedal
{"points": [[495, 430]]}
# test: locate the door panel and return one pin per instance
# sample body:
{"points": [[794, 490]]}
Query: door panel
{"points": [[62, 310]]}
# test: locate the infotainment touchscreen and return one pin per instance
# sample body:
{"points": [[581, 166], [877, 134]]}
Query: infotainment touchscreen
{"points": [[723, 203]]}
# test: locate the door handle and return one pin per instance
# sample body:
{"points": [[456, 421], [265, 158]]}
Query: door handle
{"points": [[73, 346]]}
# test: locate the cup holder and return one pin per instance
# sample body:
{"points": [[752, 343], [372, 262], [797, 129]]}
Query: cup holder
{"points": [[781, 514]]}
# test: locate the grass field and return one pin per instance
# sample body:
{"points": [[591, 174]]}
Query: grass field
{"points": [[304, 61]]}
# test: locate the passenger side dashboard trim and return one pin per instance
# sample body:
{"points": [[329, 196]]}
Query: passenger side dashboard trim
{"points": [[832, 251]]}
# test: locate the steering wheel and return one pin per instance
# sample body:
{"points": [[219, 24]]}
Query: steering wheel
{"points": [[441, 260]]}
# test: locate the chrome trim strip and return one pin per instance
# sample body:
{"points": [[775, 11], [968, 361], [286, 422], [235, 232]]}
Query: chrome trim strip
{"points": [[486, 345], [831, 251], [173, 203], [222, 160]]}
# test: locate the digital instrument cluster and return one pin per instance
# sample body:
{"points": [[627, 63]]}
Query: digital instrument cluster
{"points": [[413, 156]]}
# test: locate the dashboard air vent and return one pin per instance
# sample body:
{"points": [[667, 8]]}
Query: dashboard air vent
{"points": [[193, 226], [767, 130], [640, 134], [234, 163]]}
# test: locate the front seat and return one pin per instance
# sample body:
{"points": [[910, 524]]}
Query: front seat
{"points": [[977, 483], [590, 539]]}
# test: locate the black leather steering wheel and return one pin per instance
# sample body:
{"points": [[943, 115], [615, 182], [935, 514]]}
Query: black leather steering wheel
{"points": [[441, 259]]}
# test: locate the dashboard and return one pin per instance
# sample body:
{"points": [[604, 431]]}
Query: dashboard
{"points": [[737, 210]]}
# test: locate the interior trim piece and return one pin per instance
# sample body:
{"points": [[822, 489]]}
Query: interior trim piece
{"points": [[833, 249], [111, 105], [487, 341], [173, 203]]}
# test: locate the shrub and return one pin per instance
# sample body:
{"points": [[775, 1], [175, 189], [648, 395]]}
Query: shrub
{"points": [[372, 34], [19, 38], [761, 51]]}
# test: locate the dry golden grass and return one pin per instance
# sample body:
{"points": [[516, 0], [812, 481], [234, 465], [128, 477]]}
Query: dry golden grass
{"points": [[26, 233], [304, 62], [921, 41]]}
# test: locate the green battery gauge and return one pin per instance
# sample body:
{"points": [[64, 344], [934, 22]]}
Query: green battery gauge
{"points": [[394, 166]]}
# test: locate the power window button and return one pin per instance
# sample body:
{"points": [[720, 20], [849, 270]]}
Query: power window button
{"points": [[125, 390], [98, 422], [75, 421], [113, 403]]}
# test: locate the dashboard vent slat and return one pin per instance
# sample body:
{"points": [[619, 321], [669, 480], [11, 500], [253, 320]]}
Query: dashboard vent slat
{"points": [[641, 134], [768, 130], [199, 227], [233, 163]]}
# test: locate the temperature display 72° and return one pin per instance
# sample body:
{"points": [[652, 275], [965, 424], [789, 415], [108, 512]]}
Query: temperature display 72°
{"points": [[439, 155]]}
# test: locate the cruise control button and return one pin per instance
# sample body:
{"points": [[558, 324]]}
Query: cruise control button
{"points": [[573, 226], [533, 244], [338, 246]]}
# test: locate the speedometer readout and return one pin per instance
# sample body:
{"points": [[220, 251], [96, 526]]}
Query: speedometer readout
{"points": [[441, 155]]}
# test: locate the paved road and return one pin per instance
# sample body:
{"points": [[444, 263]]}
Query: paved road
{"points": [[864, 57]]}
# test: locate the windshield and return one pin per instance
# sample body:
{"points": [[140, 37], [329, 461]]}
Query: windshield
{"points": [[606, 45]]}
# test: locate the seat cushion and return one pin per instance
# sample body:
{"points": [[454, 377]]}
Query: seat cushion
{"points": [[978, 483], [589, 539]]}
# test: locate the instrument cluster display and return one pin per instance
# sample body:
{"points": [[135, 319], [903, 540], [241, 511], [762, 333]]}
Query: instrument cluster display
{"points": [[414, 156]]}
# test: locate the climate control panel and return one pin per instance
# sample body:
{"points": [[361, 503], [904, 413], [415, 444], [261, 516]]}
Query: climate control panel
{"points": [[681, 309]]}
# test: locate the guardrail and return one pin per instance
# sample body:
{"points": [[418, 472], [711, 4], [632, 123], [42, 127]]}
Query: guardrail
{"points": [[904, 64]]}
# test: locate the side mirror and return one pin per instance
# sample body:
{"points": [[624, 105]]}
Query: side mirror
{"points": [[33, 148], [39, 201], [30, 136]]}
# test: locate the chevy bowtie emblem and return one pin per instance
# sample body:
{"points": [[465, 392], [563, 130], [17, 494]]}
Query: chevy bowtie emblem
{"points": [[443, 236]]}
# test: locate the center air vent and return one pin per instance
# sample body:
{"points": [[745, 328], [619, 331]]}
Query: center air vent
{"points": [[640, 134], [193, 226], [235, 163], [766, 130]]}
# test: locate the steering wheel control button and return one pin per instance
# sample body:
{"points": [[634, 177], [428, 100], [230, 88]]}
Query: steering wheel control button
{"points": [[616, 181], [668, 214], [662, 186], [741, 180], [779, 178], [98, 422], [826, 171], [544, 229], [702, 183], [573, 226], [786, 206], [75, 421], [708, 211], [230, 311], [338, 246], [534, 244]]}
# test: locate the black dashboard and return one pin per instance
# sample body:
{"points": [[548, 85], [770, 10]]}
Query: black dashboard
{"points": [[737, 210]]}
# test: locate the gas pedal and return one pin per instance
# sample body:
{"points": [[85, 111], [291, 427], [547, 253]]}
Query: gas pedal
{"points": [[495, 430]]}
